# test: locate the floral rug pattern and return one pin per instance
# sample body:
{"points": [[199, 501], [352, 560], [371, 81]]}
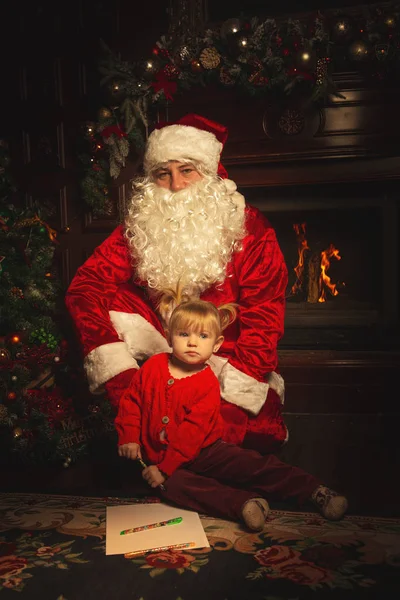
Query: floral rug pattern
{"points": [[53, 547]]}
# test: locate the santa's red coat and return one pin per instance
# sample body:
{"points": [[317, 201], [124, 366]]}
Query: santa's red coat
{"points": [[118, 328]]}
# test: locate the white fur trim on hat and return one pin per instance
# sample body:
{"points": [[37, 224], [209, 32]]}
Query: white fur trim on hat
{"points": [[177, 142], [104, 362]]}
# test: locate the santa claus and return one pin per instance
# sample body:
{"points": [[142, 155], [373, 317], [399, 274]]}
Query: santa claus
{"points": [[188, 225]]}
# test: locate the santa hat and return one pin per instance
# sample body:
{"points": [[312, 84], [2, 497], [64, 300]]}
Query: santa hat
{"points": [[192, 137]]}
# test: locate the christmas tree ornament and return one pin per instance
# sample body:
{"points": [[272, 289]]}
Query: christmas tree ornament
{"points": [[210, 58], [67, 462], [11, 396], [14, 378], [15, 339]]}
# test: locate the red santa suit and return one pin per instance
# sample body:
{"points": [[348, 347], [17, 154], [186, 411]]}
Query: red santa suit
{"points": [[118, 325]]}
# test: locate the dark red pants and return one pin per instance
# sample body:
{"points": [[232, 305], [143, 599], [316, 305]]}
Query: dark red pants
{"points": [[224, 476]]}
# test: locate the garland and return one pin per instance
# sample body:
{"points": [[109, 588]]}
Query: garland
{"points": [[267, 58]]}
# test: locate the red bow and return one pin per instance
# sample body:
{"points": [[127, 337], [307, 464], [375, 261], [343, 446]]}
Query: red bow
{"points": [[166, 85]]}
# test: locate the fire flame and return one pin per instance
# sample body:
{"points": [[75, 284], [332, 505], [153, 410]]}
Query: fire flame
{"points": [[324, 279], [302, 246]]}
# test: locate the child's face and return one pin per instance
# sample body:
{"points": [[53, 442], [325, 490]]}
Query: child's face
{"points": [[194, 347]]}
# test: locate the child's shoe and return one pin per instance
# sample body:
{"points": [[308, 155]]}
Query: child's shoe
{"points": [[255, 512], [331, 505]]}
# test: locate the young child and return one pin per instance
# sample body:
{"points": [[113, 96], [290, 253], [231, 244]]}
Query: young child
{"points": [[171, 418]]}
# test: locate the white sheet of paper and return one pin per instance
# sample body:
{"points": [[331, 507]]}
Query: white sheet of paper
{"points": [[134, 515]]}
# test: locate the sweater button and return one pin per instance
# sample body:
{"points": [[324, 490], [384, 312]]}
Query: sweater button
{"points": [[170, 381], [165, 420]]}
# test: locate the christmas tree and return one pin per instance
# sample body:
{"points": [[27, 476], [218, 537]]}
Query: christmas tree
{"points": [[39, 422]]}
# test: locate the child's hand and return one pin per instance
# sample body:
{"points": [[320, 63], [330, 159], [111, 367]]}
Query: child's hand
{"points": [[131, 450], [153, 476]]}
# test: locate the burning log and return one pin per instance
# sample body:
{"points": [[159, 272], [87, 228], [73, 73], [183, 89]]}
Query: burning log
{"points": [[314, 272]]}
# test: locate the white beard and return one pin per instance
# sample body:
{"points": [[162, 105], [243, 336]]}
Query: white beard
{"points": [[185, 237]]}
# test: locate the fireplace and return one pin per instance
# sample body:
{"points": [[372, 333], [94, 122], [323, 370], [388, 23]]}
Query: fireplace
{"points": [[340, 246]]}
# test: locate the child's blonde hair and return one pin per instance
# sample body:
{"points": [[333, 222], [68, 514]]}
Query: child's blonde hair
{"points": [[200, 315], [195, 314]]}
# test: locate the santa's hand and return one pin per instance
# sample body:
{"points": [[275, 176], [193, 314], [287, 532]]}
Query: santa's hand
{"points": [[130, 450], [153, 476]]}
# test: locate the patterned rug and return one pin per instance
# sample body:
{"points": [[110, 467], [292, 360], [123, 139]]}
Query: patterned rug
{"points": [[52, 547]]}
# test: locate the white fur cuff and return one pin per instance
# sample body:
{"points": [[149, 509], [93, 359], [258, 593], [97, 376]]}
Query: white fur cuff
{"points": [[245, 391], [141, 337], [104, 362], [242, 390]]}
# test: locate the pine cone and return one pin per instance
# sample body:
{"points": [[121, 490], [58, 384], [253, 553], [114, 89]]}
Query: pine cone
{"points": [[210, 58]]}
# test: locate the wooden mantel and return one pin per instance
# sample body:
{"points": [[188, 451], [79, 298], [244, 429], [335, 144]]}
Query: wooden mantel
{"points": [[354, 138]]}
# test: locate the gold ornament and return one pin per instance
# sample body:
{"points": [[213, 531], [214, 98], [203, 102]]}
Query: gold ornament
{"points": [[17, 432], [210, 58]]}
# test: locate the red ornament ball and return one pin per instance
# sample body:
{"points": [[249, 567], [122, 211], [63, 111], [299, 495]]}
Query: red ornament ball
{"points": [[11, 396]]}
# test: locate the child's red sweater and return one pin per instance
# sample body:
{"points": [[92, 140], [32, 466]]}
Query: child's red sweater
{"points": [[188, 410]]}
